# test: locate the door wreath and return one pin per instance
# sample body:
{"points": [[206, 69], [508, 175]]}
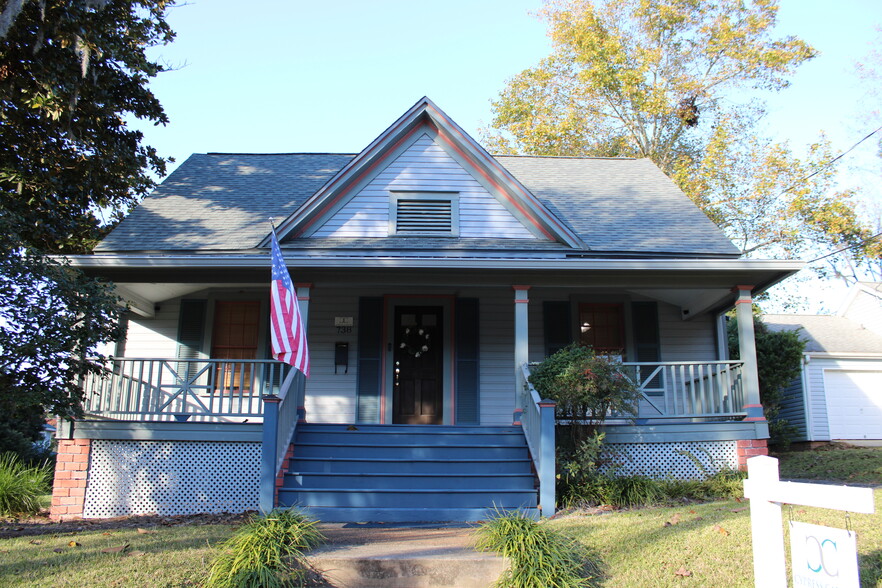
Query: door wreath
{"points": [[415, 341]]}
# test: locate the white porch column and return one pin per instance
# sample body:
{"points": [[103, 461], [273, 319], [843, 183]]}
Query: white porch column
{"points": [[747, 350], [521, 344], [303, 289]]}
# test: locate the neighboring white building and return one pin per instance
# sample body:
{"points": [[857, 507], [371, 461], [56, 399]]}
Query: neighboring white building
{"points": [[839, 393]]}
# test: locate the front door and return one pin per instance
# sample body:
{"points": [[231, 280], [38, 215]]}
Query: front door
{"points": [[419, 360]]}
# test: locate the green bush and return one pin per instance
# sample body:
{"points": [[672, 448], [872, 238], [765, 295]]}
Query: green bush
{"points": [[539, 556], [266, 552], [21, 486]]}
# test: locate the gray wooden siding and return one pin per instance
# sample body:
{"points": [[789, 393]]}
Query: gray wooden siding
{"points": [[424, 166], [680, 340], [497, 356], [793, 409], [155, 337], [692, 340]]}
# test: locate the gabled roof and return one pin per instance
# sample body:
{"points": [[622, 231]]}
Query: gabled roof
{"points": [[828, 333], [221, 202], [425, 115]]}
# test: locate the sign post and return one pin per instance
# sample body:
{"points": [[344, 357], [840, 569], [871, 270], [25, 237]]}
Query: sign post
{"points": [[767, 493]]}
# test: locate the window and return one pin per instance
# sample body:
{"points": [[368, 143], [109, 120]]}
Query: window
{"points": [[235, 337], [602, 327], [424, 214]]}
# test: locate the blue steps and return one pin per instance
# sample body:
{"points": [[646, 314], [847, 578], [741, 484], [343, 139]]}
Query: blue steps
{"points": [[408, 473]]}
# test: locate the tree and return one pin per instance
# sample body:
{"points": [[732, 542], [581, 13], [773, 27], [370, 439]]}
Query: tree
{"points": [[658, 79], [71, 72]]}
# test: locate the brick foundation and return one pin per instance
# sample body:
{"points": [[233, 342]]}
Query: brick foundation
{"points": [[749, 448], [71, 475]]}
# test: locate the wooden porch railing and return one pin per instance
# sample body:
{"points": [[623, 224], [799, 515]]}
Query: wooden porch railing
{"points": [[281, 413], [183, 389], [694, 389]]}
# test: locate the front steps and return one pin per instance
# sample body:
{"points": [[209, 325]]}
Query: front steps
{"points": [[408, 473], [418, 556]]}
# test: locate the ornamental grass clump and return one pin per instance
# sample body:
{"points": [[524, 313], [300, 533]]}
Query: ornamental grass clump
{"points": [[22, 486], [266, 552], [539, 557]]}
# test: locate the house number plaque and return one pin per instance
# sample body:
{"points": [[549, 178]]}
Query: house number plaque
{"points": [[343, 324]]}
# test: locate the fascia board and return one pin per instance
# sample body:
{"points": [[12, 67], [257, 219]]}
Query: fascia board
{"points": [[580, 264]]}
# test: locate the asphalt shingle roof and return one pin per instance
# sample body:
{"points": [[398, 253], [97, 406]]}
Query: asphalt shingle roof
{"points": [[828, 333], [219, 201]]}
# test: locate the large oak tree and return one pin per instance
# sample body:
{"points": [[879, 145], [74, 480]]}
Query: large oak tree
{"points": [[72, 73], [680, 82]]}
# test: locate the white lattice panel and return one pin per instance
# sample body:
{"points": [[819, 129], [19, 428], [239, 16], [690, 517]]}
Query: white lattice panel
{"points": [[170, 478], [679, 460]]}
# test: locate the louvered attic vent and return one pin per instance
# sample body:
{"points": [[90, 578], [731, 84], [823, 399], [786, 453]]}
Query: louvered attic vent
{"points": [[426, 216]]}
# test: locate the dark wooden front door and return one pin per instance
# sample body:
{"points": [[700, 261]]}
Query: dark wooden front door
{"points": [[419, 361]]}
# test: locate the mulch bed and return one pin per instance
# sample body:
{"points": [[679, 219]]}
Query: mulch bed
{"points": [[41, 525]]}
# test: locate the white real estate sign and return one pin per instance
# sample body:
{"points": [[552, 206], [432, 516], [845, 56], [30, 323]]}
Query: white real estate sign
{"points": [[822, 557], [767, 493]]}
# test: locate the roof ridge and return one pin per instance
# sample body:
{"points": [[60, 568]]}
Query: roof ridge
{"points": [[566, 157], [281, 153]]}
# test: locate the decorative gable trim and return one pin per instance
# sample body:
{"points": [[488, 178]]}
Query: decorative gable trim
{"points": [[422, 116]]}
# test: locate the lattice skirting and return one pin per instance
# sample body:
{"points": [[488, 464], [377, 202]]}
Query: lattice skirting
{"points": [[680, 460], [170, 478]]}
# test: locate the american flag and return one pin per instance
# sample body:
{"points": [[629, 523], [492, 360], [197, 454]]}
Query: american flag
{"points": [[286, 326]]}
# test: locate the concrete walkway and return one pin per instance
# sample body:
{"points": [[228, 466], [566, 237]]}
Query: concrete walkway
{"points": [[369, 555]]}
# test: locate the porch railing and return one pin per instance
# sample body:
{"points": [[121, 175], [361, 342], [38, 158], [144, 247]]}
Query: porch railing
{"points": [[538, 423], [695, 389], [183, 389]]}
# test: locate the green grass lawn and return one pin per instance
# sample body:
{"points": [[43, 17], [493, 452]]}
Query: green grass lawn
{"points": [[849, 465], [709, 542], [162, 557]]}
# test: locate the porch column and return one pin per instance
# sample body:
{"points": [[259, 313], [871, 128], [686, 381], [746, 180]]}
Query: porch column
{"points": [[303, 289], [521, 346], [747, 350], [303, 299]]}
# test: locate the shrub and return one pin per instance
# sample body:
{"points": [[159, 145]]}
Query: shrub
{"points": [[266, 552], [22, 486], [539, 557]]}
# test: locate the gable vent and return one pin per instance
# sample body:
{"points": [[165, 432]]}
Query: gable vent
{"points": [[425, 216]]}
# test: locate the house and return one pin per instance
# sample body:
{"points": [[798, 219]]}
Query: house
{"points": [[838, 395], [431, 274]]}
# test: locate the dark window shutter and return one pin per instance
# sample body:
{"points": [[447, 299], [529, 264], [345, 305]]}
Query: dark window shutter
{"points": [[557, 326], [468, 407], [644, 316], [191, 334], [370, 356]]}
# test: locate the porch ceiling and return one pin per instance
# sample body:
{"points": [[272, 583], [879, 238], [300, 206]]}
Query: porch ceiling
{"points": [[695, 285]]}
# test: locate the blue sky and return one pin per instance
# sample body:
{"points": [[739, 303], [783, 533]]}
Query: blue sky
{"points": [[330, 76], [288, 76]]}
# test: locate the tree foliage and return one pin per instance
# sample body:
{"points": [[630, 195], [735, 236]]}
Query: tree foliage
{"points": [[658, 79], [72, 72]]}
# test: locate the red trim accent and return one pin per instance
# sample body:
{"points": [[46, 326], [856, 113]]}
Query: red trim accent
{"points": [[303, 284], [522, 301], [546, 404], [498, 186], [742, 301], [752, 405], [453, 127], [519, 288], [748, 288], [754, 419], [353, 179]]}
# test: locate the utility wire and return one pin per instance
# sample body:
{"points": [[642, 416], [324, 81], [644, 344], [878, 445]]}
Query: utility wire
{"points": [[855, 246], [823, 166]]}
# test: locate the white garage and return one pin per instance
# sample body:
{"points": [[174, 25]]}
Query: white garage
{"points": [[854, 404]]}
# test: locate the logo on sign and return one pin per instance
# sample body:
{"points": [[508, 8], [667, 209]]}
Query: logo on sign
{"points": [[823, 557]]}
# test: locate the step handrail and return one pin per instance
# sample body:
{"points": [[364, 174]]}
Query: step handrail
{"points": [[537, 420], [281, 413]]}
